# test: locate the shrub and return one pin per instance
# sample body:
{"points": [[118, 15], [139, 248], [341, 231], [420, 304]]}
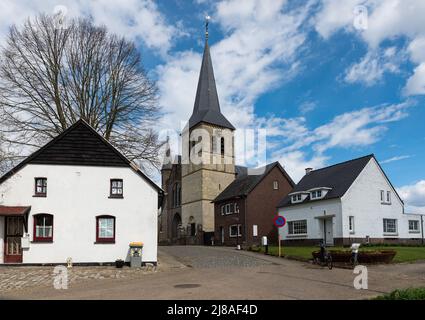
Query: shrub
{"points": [[406, 294]]}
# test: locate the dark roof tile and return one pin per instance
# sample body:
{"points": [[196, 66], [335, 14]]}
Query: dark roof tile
{"points": [[339, 177]]}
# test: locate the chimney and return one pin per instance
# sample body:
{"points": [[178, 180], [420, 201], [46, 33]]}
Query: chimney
{"points": [[308, 170]]}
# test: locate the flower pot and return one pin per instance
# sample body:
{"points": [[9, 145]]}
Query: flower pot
{"points": [[119, 263]]}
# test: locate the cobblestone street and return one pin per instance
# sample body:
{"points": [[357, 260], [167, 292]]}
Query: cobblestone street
{"points": [[14, 278]]}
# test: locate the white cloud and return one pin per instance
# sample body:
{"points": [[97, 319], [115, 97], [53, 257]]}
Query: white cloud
{"points": [[373, 66], [366, 126], [254, 57], [296, 162], [136, 19], [414, 197], [396, 158], [307, 107], [387, 20]]}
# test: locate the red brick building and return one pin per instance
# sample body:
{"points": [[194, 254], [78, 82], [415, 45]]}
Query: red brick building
{"points": [[244, 211]]}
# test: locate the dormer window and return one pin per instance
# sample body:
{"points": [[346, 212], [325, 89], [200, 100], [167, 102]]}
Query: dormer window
{"points": [[299, 197], [318, 193]]}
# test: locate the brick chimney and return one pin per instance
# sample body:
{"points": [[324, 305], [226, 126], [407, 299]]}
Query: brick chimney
{"points": [[308, 170]]}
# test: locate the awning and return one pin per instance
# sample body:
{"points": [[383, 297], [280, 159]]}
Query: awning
{"points": [[14, 211]]}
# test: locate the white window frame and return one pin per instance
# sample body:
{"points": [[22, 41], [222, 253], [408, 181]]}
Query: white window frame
{"points": [[417, 229], [231, 235], [296, 198], [385, 197], [275, 185], [351, 224], [385, 226], [294, 228]]}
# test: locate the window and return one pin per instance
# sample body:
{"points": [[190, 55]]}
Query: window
{"points": [[43, 228], [176, 194], [222, 145], [297, 197], [385, 197], [105, 229], [314, 195], [390, 225], [40, 187], [229, 208], [235, 230], [413, 226], [116, 188], [297, 227], [214, 144], [275, 185], [351, 224], [319, 193]]}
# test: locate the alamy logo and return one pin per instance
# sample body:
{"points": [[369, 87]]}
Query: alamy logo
{"points": [[361, 17], [60, 278], [361, 281]]}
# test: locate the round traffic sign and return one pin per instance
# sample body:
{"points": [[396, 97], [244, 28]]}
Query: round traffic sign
{"points": [[279, 221]]}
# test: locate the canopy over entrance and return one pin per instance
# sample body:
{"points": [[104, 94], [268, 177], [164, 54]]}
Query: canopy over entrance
{"points": [[14, 211]]}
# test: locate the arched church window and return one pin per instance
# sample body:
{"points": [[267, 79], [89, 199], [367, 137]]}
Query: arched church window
{"points": [[213, 144], [179, 195]]}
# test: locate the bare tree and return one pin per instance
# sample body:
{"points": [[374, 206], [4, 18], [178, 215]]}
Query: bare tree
{"points": [[51, 76]]}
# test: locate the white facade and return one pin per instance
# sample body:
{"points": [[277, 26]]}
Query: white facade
{"points": [[76, 195], [362, 202]]}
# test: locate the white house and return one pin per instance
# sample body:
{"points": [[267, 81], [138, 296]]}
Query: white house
{"points": [[77, 197], [348, 202]]}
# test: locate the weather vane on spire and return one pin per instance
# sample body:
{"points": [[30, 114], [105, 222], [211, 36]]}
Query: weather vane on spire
{"points": [[207, 20]]}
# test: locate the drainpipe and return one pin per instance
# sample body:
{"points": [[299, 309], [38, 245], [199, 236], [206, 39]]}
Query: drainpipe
{"points": [[422, 228]]}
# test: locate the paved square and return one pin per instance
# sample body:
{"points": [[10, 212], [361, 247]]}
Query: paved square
{"points": [[195, 272]]}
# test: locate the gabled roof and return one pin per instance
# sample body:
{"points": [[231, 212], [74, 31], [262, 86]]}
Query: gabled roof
{"points": [[339, 177], [245, 183], [207, 106], [79, 145]]}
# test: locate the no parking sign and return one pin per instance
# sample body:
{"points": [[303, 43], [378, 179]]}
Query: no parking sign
{"points": [[279, 221]]}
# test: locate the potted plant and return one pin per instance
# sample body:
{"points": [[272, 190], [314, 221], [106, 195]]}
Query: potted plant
{"points": [[119, 263]]}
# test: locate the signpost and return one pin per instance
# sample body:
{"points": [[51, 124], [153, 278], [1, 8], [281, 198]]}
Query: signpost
{"points": [[279, 222]]}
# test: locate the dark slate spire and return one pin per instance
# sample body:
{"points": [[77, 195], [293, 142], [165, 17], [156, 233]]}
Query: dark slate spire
{"points": [[207, 106]]}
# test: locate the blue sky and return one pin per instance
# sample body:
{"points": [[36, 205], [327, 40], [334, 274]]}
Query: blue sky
{"points": [[326, 85]]}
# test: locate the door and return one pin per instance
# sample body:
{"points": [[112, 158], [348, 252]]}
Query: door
{"points": [[12, 240], [328, 229]]}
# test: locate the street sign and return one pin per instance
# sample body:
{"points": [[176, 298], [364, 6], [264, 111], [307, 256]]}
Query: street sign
{"points": [[279, 221]]}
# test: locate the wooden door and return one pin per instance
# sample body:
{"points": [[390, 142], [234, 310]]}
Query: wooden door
{"points": [[12, 240]]}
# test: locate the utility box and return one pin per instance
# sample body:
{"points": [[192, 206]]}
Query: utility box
{"points": [[136, 254]]}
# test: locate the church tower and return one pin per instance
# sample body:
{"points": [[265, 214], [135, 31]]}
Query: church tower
{"points": [[208, 159]]}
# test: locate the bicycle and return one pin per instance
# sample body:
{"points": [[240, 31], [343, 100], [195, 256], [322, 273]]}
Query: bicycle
{"points": [[325, 258]]}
